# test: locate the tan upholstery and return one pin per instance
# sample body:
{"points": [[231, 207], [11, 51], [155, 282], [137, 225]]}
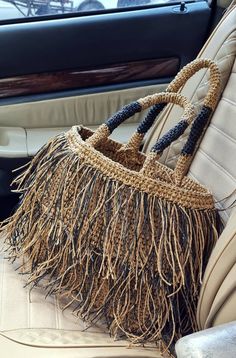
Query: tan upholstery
{"points": [[25, 127], [27, 318], [16, 142], [214, 162], [10, 348], [221, 46], [214, 166], [89, 109], [218, 295]]}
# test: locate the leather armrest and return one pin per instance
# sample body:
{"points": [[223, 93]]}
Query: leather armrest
{"points": [[216, 342], [17, 142]]}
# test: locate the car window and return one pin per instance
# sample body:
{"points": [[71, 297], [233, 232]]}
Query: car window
{"points": [[13, 9]]}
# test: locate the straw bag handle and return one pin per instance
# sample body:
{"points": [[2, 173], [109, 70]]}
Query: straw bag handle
{"points": [[181, 78], [165, 97], [197, 129], [129, 110]]}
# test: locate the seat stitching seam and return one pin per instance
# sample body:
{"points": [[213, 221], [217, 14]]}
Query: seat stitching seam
{"points": [[228, 101], [226, 135], [219, 256], [214, 162], [195, 177], [29, 306]]}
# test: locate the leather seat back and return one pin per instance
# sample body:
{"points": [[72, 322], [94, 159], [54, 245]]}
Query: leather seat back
{"points": [[213, 163], [214, 166], [218, 294]]}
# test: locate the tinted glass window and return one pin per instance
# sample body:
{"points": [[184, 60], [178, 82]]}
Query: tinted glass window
{"points": [[12, 9]]}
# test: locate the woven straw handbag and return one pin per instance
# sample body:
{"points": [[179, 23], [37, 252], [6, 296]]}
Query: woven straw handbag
{"points": [[115, 232]]}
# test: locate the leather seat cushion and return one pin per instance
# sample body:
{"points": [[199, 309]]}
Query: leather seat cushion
{"points": [[218, 294], [28, 319]]}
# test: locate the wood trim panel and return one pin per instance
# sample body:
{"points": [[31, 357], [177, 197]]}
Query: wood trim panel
{"points": [[75, 79]]}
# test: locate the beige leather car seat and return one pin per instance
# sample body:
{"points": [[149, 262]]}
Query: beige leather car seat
{"points": [[214, 165], [217, 302], [31, 326]]}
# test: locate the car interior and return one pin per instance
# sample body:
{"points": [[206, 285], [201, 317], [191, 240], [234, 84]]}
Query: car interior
{"points": [[61, 70]]}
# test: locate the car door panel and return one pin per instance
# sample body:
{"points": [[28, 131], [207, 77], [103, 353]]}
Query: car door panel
{"points": [[105, 39], [122, 73], [25, 127], [86, 79]]}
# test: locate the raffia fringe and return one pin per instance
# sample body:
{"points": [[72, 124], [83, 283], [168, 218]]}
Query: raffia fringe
{"points": [[112, 251]]}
